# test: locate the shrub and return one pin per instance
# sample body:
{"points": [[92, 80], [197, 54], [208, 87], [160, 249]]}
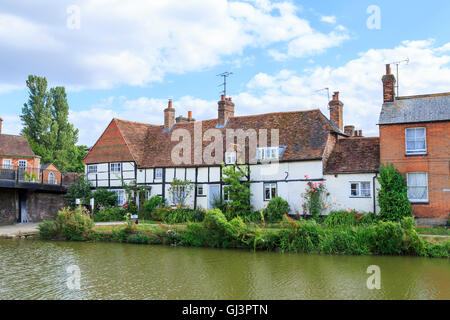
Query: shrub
{"points": [[341, 218], [103, 198], [79, 190], [237, 186], [275, 210], [160, 213], [110, 214], [438, 249], [387, 238], [180, 215], [393, 194], [219, 232], [48, 229], [314, 198], [76, 225], [368, 219], [138, 238], [150, 206]]}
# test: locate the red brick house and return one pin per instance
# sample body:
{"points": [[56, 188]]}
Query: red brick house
{"points": [[414, 136]]}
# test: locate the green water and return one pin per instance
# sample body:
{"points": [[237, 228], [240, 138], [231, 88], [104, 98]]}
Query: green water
{"points": [[32, 269]]}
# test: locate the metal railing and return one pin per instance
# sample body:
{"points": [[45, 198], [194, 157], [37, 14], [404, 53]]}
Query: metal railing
{"points": [[21, 174]]}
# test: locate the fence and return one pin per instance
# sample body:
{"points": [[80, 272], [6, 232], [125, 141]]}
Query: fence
{"points": [[36, 175]]}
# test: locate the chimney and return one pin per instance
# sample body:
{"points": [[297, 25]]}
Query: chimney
{"points": [[1, 122], [337, 111], [169, 116], [360, 133], [181, 119], [225, 110], [388, 85], [349, 130]]}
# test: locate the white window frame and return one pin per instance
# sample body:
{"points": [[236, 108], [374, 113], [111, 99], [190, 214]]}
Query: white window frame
{"points": [[230, 157], [92, 168], [267, 153], [120, 194], [21, 167], [407, 183], [202, 188], [270, 186], [359, 189], [114, 170], [7, 164], [158, 176], [415, 151], [51, 178], [226, 195]]}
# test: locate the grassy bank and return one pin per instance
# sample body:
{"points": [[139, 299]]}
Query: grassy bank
{"points": [[301, 236]]}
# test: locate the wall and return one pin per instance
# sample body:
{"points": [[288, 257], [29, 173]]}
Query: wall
{"points": [[8, 207], [436, 163], [42, 206], [339, 188]]}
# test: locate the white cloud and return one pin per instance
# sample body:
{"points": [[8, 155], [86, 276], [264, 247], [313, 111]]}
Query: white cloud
{"points": [[328, 19], [138, 42]]}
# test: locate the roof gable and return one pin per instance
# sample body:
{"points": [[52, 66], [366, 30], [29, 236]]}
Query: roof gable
{"points": [[16, 146]]}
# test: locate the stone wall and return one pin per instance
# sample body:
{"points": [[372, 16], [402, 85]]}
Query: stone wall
{"points": [[42, 206], [8, 207]]}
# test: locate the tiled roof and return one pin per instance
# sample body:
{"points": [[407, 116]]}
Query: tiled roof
{"points": [[304, 133], [17, 146], [354, 155], [413, 109]]}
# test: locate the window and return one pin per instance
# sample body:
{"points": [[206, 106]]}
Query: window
{"points": [[270, 191], [120, 194], [158, 173], [7, 164], [200, 190], [267, 153], [23, 164], [226, 194], [92, 168], [415, 141], [417, 186], [115, 167], [230, 157], [360, 189], [51, 178]]}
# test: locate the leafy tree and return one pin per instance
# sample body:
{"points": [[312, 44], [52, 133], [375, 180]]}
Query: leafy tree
{"points": [[80, 190], [393, 194], [46, 126], [103, 198], [180, 191], [237, 186]]}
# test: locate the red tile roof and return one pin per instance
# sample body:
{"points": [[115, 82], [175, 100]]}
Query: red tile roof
{"points": [[17, 146], [304, 133], [354, 155]]}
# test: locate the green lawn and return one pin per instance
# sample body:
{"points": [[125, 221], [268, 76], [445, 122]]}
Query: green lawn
{"points": [[433, 231]]}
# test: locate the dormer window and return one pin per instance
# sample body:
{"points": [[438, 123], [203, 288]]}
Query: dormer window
{"points": [[267, 153], [415, 141], [230, 157]]}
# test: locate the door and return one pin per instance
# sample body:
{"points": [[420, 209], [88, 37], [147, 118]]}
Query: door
{"points": [[213, 194], [23, 209]]}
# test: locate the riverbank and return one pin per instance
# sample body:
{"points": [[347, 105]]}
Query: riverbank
{"points": [[299, 236]]}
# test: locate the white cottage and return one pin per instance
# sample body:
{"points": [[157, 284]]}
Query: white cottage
{"points": [[284, 150]]}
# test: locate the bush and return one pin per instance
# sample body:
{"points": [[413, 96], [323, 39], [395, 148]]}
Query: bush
{"points": [[387, 238], [393, 194], [180, 215], [438, 250], [138, 238], [48, 229], [110, 214], [221, 233], [368, 219], [275, 210], [75, 225], [341, 218], [160, 213], [103, 198], [150, 206]]}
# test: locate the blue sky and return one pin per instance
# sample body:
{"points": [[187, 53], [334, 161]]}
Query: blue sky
{"points": [[125, 59]]}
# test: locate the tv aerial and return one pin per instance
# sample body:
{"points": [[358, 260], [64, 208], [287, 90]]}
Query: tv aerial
{"points": [[397, 63], [225, 75]]}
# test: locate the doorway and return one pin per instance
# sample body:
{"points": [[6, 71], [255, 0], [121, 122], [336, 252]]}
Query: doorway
{"points": [[213, 194], [23, 217]]}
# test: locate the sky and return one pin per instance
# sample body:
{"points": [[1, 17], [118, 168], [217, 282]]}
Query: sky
{"points": [[125, 59]]}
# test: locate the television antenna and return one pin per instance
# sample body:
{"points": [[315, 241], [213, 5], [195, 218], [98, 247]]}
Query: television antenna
{"points": [[328, 92], [225, 75], [397, 63]]}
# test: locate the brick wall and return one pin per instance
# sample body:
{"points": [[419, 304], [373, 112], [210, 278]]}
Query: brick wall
{"points": [[436, 163], [42, 206], [8, 207]]}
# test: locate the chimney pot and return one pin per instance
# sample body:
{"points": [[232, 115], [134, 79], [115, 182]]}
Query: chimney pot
{"points": [[388, 69], [337, 111], [190, 114], [349, 130], [222, 97], [170, 104]]}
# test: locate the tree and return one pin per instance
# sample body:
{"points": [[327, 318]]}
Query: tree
{"points": [[46, 126], [237, 187], [180, 191], [80, 190], [393, 194]]}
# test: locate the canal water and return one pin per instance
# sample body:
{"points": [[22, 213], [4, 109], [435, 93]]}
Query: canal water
{"points": [[33, 269]]}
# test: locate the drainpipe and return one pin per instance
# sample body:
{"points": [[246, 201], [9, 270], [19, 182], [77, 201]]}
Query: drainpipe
{"points": [[374, 193]]}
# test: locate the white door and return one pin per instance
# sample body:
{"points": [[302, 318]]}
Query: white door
{"points": [[23, 211], [214, 193]]}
